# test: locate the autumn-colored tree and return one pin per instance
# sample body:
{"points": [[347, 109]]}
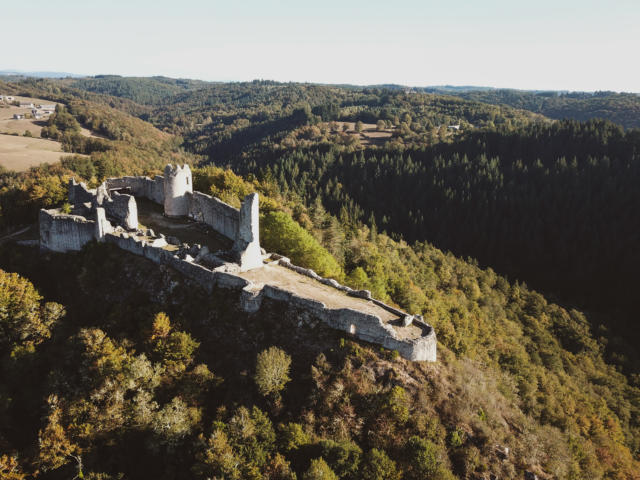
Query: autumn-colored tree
{"points": [[272, 371], [25, 321], [161, 326], [55, 447], [10, 468]]}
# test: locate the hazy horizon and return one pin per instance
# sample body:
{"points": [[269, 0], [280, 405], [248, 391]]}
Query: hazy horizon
{"points": [[565, 45], [53, 74]]}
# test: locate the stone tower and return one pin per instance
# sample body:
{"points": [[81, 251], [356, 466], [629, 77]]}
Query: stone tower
{"points": [[178, 185], [246, 248]]}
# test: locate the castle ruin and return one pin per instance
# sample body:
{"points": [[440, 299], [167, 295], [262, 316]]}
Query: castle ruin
{"points": [[110, 213]]}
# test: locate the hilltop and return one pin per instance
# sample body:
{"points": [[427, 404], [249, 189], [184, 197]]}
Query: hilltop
{"points": [[620, 108], [133, 370]]}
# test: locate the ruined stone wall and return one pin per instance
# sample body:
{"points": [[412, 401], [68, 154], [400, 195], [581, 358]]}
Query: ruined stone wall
{"points": [[124, 209], [63, 233], [246, 247], [145, 187], [214, 212], [201, 275], [365, 294], [79, 193], [199, 206], [369, 328]]}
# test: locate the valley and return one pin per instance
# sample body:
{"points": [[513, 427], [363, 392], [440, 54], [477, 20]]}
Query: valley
{"points": [[147, 373]]}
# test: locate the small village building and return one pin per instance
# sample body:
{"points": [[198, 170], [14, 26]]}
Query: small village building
{"points": [[18, 116]]}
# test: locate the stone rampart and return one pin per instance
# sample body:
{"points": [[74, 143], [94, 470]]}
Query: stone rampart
{"points": [[365, 294], [77, 231], [63, 233], [123, 209], [145, 187], [214, 212], [79, 193]]}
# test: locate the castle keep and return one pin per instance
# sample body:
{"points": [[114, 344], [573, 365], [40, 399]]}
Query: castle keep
{"points": [[228, 255]]}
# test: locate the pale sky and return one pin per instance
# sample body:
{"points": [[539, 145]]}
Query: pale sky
{"points": [[542, 44]]}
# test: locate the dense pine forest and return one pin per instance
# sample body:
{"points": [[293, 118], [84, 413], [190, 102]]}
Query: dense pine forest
{"points": [[555, 206], [113, 368]]}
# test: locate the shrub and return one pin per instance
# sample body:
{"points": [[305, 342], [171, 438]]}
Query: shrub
{"points": [[292, 436], [319, 470], [378, 466], [280, 233], [343, 457], [425, 460], [177, 350], [272, 371], [397, 403], [358, 279]]}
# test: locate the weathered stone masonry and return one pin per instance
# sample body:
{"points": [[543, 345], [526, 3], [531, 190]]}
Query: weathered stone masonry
{"points": [[114, 200]]}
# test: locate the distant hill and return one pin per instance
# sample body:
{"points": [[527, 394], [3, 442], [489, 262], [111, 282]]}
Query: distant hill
{"points": [[19, 74], [143, 90], [621, 108]]}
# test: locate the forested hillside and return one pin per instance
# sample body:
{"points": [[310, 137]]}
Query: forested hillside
{"points": [[553, 206], [119, 144], [620, 108], [136, 373], [142, 90], [114, 368]]}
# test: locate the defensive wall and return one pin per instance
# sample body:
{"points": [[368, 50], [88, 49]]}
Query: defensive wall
{"points": [[200, 207], [114, 200], [367, 327]]}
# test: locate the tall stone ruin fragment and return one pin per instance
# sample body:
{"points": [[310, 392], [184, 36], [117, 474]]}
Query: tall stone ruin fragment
{"points": [[246, 247]]}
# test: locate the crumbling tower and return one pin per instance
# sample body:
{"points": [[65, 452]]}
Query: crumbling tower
{"points": [[178, 185], [246, 247]]}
